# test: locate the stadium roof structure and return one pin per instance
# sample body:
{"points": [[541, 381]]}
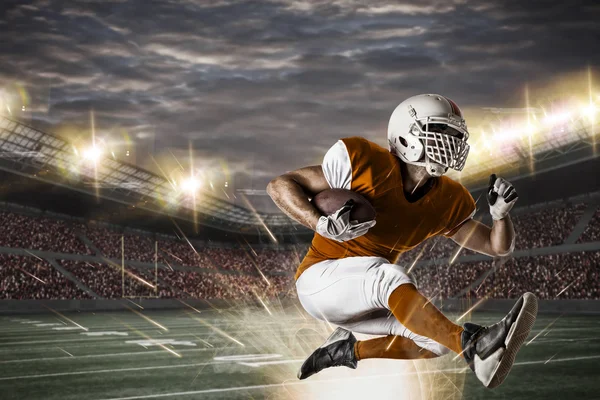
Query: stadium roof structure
{"points": [[518, 149], [29, 152]]}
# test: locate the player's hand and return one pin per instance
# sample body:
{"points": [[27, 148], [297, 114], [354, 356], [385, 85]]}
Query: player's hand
{"points": [[338, 226], [501, 197]]}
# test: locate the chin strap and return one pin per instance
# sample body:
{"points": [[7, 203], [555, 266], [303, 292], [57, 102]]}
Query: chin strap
{"points": [[434, 169]]}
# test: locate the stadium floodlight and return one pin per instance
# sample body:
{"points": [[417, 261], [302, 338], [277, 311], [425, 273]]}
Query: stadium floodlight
{"points": [[590, 111], [190, 185], [92, 154], [557, 118]]}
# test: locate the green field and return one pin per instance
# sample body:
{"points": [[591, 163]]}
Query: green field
{"points": [[245, 352]]}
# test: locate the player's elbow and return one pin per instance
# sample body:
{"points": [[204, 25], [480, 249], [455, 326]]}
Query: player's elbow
{"points": [[274, 187], [503, 251]]}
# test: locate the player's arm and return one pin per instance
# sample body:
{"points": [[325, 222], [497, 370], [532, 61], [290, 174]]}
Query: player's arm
{"points": [[291, 193], [495, 241], [499, 240]]}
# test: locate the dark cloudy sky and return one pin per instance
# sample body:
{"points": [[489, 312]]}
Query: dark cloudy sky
{"points": [[268, 86]]}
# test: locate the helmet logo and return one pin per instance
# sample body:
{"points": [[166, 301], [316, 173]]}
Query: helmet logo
{"points": [[412, 112]]}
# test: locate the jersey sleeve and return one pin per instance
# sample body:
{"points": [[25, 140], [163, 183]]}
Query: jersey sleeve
{"points": [[462, 210], [337, 167]]}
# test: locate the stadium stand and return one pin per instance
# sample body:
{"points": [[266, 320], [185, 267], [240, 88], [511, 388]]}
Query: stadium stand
{"points": [[448, 280], [135, 247], [30, 278], [194, 270], [39, 233], [548, 227], [107, 280], [182, 254], [592, 232], [232, 259], [558, 276], [277, 261], [191, 284]]}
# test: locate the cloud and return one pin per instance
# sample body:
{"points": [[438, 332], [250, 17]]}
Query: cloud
{"points": [[267, 86]]}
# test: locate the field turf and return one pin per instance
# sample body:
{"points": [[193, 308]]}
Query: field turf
{"points": [[244, 352]]}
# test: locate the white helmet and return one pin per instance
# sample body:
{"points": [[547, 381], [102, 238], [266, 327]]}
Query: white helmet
{"points": [[429, 130]]}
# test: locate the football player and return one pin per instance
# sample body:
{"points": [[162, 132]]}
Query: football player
{"points": [[349, 276]]}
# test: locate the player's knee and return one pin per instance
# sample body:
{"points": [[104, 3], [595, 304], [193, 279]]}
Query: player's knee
{"points": [[390, 276]]}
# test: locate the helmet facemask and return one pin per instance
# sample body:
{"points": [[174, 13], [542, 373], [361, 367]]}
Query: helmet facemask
{"points": [[444, 144]]}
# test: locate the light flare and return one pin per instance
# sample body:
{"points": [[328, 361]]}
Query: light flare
{"points": [[260, 220], [148, 319], [565, 288], [391, 342], [219, 331], [262, 302], [543, 330], [129, 273], [184, 236], [471, 309], [31, 275], [65, 318]]}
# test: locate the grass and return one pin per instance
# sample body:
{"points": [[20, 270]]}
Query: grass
{"points": [[245, 352]]}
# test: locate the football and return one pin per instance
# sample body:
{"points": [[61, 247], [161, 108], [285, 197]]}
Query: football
{"points": [[330, 200]]}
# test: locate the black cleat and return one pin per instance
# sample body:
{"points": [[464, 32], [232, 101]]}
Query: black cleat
{"points": [[490, 351], [338, 350]]}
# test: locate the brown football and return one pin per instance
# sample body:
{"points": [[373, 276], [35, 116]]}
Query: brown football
{"points": [[330, 200]]}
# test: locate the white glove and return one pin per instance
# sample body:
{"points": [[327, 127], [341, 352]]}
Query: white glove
{"points": [[501, 197], [338, 226]]}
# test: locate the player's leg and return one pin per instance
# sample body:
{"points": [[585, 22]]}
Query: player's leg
{"points": [[419, 315], [489, 351], [394, 347], [346, 289], [398, 342], [342, 292]]}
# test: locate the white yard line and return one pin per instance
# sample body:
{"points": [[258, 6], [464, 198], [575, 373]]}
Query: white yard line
{"points": [[104, 371], [274, 385], [177, 325], [224, 362], [193, 330], [133, 353], [92, 343]]}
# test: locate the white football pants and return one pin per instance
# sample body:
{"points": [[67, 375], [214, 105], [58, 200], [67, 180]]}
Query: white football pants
{"points": [[353, 293]]}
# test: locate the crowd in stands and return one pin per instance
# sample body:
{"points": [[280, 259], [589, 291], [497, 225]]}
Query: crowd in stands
{"points": [[191, 284], [232, 259], [183, 253], [114, 244], [557, 276], [547, 227], [31, 278], [40, 233], [448, 280], [435, 248], [592, 231], [189, 270], [109, 281], [226, 286], [277, 261]]}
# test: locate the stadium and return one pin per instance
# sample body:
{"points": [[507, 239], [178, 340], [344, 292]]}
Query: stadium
{"points": [[153, 288], [128, 271]]}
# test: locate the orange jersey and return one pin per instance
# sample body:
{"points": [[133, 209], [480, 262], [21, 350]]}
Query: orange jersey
{"points": [[401, 225]]}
